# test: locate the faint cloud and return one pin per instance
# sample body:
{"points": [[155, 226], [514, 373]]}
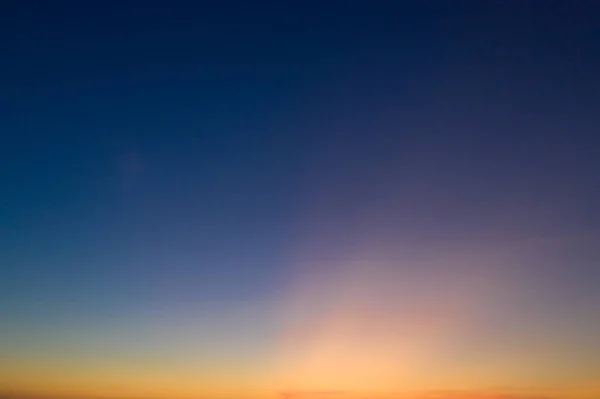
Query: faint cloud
{"points": [[309, 394], [486, 394]]}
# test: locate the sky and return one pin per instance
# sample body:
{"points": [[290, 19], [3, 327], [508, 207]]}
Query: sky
{"points": [[298, 200]]}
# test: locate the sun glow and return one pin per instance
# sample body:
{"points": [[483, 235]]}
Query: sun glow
{"points": [[357, 326]]}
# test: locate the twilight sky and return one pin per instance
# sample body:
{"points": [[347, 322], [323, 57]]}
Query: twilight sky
{"points": [[345, 200]]}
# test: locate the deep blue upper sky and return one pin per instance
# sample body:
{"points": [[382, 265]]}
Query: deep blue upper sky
{"points": [[177, 149]]}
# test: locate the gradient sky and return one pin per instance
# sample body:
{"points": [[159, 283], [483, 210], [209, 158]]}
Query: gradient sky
{"points": [[376, 199]]}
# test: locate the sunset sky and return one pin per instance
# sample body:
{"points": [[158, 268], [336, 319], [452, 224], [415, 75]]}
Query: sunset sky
{"points": [[298, 200]]}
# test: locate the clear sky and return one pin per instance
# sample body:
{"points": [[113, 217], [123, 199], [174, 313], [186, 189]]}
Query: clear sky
{"points": [[345, 200]]}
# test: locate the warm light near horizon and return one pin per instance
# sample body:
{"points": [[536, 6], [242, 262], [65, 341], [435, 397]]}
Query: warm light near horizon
{"points": [[362, 327]]}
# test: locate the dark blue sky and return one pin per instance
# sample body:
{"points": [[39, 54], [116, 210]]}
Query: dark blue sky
{"points": [[153, 153], [225, 107]]}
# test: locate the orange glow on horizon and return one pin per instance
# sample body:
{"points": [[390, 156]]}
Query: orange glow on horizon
{"points": [[351, 327]]}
